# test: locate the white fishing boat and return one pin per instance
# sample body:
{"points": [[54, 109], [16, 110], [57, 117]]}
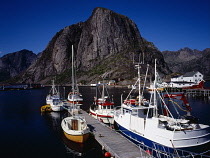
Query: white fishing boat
{"points": [[103, 108], [53, 94], [74, 96], [144, 123], [57, 104]]}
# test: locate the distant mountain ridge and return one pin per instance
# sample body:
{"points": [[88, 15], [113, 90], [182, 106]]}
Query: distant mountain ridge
{"points": [[186, 60], [13, 64], [105, 45]]}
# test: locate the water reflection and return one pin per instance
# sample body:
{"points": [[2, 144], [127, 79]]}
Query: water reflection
{"points": [[90, 148]]}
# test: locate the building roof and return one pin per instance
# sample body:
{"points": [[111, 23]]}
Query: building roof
{"points": [[182, 82], [190, 74]]}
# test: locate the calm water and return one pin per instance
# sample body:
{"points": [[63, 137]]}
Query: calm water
{"points": [[25, 132]]}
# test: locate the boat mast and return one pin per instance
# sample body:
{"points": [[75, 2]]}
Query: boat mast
{"points": [[72, 71], [53, 87], [138, 67], [103, 92], [155, 90], [72, 78]]}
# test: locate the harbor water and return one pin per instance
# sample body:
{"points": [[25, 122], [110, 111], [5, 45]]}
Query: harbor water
{"points": [[27, 133]]}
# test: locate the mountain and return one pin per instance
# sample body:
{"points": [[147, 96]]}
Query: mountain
{"points": [[187, 60], [105, 45], [13, 64]]}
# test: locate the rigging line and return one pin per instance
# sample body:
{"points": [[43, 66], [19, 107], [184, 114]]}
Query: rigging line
{"points": [[178, 105], [164, 103], [145, 79], [131, 90], [107, 93], [98, 88], [176, 152], [173, 105]]}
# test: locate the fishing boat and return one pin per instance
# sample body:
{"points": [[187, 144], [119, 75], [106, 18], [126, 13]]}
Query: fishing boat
{"points": [[103, 108], [53, 94], [143, 122], [75, 128], [74, 96]]}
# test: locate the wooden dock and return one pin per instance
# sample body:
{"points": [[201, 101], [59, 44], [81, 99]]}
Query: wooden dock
{"points": [[113, 142], [198, 92]]}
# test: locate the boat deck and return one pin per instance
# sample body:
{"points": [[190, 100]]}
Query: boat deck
{"points": [[113, 142]]}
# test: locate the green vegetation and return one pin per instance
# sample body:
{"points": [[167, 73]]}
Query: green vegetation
{"points": [[64, 77]]}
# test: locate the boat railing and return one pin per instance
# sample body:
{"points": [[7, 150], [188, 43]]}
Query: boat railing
{"points": [[117, 110], [160, 151]]}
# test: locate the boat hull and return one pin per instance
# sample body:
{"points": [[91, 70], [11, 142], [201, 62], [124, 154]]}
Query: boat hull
{"points": [[75, 129], [77, 138], [140, 139], [75, 99], [103, 117], [76, 102], [57, 108]]}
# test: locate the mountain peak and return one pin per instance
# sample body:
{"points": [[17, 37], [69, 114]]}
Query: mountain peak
{"points": [[13, 63], [106, 37]]}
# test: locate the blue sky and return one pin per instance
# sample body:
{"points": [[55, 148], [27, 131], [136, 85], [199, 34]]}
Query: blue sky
{"points": [[169, 24]]}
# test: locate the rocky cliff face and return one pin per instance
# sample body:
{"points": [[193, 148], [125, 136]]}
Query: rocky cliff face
{"points": [[14, 63], [186, 60], [105, 45]]}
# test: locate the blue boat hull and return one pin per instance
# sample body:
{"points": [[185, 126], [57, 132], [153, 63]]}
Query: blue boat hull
{"points": [[139, 140]]}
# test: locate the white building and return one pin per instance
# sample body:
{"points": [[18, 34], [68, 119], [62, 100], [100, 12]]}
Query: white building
{"points": [[193, 76], [187, 80]]}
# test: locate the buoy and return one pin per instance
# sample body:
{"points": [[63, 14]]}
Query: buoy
{"points": [[107, 154], [149, 152]]}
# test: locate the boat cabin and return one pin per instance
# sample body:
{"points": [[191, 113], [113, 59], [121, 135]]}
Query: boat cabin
{"points": [[104, 104]]}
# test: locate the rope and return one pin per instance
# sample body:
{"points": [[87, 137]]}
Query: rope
{"points": [[178, 105]]}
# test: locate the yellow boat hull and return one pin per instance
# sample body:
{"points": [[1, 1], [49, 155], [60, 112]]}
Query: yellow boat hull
{"points": [[77, 138], [46, 108], [158, 89]]}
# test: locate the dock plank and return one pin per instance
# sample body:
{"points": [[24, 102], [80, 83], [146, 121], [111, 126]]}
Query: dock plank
{"points": [[113, 142]]}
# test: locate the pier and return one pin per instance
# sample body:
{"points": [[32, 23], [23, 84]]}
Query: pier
{"points": [[111, 141], [198, 92]]}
